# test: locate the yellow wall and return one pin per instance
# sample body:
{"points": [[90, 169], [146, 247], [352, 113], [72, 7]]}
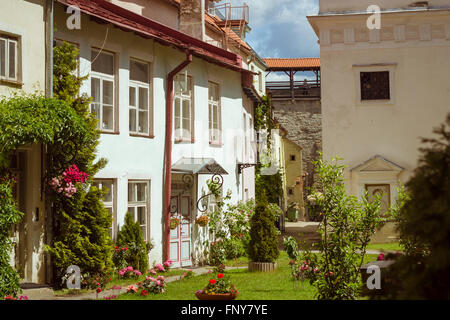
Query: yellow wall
{"points": [[293, 174]]}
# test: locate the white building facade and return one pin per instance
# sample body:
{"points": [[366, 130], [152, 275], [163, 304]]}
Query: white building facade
{"points": [[128, 82]]}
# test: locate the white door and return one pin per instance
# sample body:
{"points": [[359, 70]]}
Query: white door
{"points": [[181, 238]]}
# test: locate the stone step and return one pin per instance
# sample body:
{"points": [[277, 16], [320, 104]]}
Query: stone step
{"points": [[36, 291]]}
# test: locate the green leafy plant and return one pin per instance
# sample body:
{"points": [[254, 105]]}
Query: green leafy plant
{"points": [[219, 285], [81, 236], [422, 215], [347, 227], [130, 237], [263, 246], [291, 247]]}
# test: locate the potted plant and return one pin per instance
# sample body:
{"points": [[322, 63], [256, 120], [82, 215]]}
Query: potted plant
{"points": [[174, 223], [218, 289], [202, 221], [263, 247]]}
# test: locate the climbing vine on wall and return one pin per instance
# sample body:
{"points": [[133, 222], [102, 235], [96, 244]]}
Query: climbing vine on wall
{"points": [[25, 120], [271, 185]]}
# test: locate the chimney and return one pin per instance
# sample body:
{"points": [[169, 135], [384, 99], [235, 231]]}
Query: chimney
{"points": [[192, 18]]}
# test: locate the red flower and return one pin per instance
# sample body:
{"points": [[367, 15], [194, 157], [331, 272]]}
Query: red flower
{"points": [[116, 248], [144, 293], [212, 281], [99, 290], [220, 275]]}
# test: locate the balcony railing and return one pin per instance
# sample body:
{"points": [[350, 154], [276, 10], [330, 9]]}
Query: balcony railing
{"points": [[295, 90], [226, 12]]}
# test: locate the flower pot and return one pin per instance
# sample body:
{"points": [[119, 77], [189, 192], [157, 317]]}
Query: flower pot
{"points": [[217, 296], [262, 266]]}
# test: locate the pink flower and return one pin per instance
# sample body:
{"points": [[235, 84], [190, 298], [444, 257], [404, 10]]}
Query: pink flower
{"points": [[152, 271], [159, 267], [158, 282], [130, 269], [380, 257]]}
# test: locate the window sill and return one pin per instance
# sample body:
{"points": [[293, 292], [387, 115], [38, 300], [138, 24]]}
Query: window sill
{"points": [[110, 132], [13, 83], [184, 141], [137, 135], [216, 144]]}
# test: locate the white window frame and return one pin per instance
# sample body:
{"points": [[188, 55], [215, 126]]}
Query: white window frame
{"points": [[105, 77], [141, 204], [110, 204], [136, 85], [180, 96], [215, 105], [8, 40]]}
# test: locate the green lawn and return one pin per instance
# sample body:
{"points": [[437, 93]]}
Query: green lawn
{"points": [[275, 285], [115, 281], [394, 246]]}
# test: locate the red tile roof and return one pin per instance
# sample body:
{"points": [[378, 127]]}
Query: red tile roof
{"points": [[147, 28], [296, 63]]}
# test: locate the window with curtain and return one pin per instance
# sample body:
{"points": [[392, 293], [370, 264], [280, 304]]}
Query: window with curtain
{"points": [[183, 107], [108, 185], [9, 58], [215, 116], [102, 89], [139, 98], [139, 204]]}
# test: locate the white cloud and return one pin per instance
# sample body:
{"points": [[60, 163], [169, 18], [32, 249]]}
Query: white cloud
{"points": [[280, 28]]}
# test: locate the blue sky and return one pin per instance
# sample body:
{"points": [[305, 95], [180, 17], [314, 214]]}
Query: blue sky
{"points": [[280, 28]]}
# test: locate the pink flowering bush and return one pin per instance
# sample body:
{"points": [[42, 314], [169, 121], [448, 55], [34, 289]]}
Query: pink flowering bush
{"points": [[129, 272], [154, 285], [66, 183], [164, 267]]}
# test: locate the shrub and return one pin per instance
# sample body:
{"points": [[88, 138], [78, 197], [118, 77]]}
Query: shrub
{"points": [[234, 248], [81, 235], [130, 237], [9, 215], [348, 224], [263, 246], [291, 247], [424, 224]]}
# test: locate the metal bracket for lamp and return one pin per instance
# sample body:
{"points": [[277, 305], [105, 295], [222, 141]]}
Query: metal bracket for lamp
{"points": [[242, 166], [216, 179]]}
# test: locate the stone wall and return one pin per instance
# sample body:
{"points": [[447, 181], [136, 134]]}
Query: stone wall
{"points": [[303, 121]]}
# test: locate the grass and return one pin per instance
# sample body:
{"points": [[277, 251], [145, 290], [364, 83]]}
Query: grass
{"points": [[276, 285], [394, 246], [115, 281]]}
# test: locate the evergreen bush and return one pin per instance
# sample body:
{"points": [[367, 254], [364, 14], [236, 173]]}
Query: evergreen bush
{"points": [[424, 224], [263, 246], [130, 237], [81, 233]]}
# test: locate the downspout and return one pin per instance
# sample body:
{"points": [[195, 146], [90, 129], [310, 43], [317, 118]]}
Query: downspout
{"points": [[168, 153], [48, 233]]}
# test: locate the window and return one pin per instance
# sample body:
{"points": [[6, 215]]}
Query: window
{"points": [[183, 108], [382, 190], [9, 58], [138, 205], [102, 89], [292, 157], [375, 85], [139, 101], [108, 201], [260, 82], [214, 113]]}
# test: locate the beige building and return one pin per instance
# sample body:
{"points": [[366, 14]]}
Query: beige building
{"points": [[382, 89], [23, 57]]}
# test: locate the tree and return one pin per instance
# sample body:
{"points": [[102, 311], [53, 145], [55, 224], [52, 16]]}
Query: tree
{"points": [[347, 226], [263, 246], [81, 233], [130, 237], [424, 224]]}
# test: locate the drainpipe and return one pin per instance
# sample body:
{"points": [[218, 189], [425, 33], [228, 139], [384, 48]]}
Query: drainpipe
{"points": [[168, 153]]}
